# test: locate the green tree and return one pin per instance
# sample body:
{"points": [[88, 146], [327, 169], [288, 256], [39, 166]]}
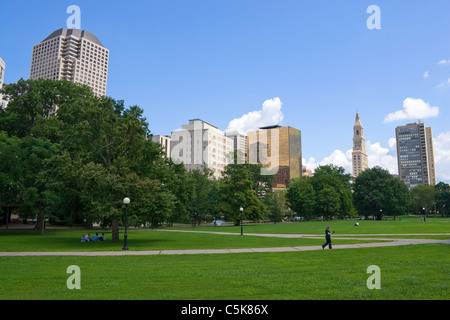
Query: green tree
{"points": [[274, 207], [301, 197], [443, 197], [199, 205], [335, 177], [328, 202], [29, 101], [236, 191], [11, 173], [396, 197], [36, 199], [370, 191], [424, 197], [112, 152]]}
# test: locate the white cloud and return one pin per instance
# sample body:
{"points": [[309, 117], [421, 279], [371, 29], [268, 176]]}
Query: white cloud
{"points": [[392, 143], [426, 74], [413, 109], [444, 61], [337, 157], [441, 146], [385, 158], [270, 114], [377, 156]]}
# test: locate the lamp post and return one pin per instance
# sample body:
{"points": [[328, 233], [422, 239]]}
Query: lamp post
{"points": [[125, 243], [242, 210]]}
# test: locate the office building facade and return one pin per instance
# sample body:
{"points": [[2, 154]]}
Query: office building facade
{"points": [[201, 145], [239, 145], [415, 154], [75, 55], [164, 141], [279, 151]]}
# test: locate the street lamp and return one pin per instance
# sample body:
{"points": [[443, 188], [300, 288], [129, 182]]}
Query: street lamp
{"points": [[125, 244], [242, 231]]}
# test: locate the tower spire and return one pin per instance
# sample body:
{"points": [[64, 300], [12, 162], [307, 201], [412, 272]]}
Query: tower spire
{"points": [[359, 155]]}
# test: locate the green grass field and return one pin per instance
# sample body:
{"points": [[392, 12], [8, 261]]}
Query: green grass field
{"points": [[138, 239], [407, 272], [405, 225], [411, 272]]}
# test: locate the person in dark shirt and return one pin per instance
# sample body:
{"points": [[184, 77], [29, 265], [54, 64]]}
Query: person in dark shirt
{"points": [[328, 238]]}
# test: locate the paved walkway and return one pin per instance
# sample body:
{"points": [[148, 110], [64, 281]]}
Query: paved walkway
{"points": [[389, 242]]}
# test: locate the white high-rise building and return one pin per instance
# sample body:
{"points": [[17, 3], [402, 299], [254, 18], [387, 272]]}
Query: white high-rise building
{"points": [[201, 145], [72, 54], [2, 78], [239, 144], [164, 141]]}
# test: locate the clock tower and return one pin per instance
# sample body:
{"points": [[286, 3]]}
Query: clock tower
{"points": [[359, 155]]}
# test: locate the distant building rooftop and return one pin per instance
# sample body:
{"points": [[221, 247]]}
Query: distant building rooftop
{"points": [[270, 127], [75, 32]]}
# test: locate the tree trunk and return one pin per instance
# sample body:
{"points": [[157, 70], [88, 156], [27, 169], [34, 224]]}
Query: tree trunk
{"points": [[7, 217], [40, 225], [115, 231]]}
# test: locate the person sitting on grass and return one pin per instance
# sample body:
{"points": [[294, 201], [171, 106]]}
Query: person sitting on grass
{"points": [[102, 238], [83, 238], [95, 238]]}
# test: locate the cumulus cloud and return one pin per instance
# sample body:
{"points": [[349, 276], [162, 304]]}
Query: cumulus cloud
{"points": [[441, 146], [337, 157], [385, 158], [413, 109], [426, 74], [392, 143], [377, 156], [270, 114], [444, 61]]}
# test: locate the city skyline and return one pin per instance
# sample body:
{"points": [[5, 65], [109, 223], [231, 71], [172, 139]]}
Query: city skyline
{"points": [[241, 65]]}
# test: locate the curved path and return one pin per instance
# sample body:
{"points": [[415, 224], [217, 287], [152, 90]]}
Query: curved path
{"points": [[389, 242]]}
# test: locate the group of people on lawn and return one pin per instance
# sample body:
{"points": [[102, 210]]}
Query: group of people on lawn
{"points": [[87, 237]]}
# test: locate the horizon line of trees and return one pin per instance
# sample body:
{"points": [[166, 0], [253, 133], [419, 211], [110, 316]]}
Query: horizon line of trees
{"points": [[76, 167]]}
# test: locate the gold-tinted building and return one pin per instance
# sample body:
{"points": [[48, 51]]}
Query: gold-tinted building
{"points": [[279, 150]]}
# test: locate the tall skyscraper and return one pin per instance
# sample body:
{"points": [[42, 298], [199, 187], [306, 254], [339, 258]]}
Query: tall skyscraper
{"points": [[359, 156], [279, 150], [201, 145], [2, 78], [74, 55], [415, 154]]}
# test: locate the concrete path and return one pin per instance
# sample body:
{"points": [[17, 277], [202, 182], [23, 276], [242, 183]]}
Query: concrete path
{"points": [[390, 242]]}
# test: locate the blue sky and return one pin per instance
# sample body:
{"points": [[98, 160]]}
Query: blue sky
{"points": [[221, 59]]}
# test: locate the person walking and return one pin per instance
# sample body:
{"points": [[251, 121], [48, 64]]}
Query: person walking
{"points": [[328, 238]]}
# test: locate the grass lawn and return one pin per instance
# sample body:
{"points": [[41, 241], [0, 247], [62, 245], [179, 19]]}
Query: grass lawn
{"points": [[407, 272], [144, 239], [405, 225]]}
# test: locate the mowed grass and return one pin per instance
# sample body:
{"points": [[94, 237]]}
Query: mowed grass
{"points": [[402, 225], [407, 272], [144, 239], [64, 239]]}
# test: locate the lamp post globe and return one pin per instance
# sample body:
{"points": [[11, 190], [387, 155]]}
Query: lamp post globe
{"points": [[126, 201]]}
